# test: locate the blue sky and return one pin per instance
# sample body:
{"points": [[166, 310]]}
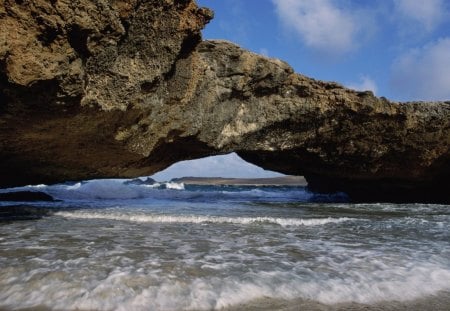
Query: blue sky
{"points": [[230, 165], [399, 49]]}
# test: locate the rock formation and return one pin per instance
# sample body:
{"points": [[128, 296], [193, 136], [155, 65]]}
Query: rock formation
{"points": [[124, 88]]}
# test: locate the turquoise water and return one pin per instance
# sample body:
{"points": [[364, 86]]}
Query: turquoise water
{"points": [[108, 245]]}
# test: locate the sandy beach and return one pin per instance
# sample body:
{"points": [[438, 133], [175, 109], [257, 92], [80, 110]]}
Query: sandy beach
{"points": [[439, 302]]}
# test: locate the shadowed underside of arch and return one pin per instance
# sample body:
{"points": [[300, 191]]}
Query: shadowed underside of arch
{"points": [[126, 88]]}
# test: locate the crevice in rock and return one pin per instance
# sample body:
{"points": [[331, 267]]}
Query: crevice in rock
{"points": [[48, 35], [189, 44], [261, 91], [303, 91], [126, 26], [182, 3], [78, 38], [150, 86]]}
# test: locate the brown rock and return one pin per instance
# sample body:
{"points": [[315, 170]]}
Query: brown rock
{"points": [[120, 88]]}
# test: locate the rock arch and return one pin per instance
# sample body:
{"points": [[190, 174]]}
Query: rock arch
{"points": [[145, 92]]}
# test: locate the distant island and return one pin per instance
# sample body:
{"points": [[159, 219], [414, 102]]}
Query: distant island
{"points": [[274, 181]]}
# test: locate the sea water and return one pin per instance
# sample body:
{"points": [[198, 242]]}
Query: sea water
{"points": [[115, 245]]}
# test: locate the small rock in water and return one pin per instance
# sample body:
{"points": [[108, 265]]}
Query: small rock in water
{"points": [[139, 181], [21, 212], [25, 196]]}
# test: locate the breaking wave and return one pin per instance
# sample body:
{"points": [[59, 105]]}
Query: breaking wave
{"points": [[146, 218], [123, 189], [155, 292]]}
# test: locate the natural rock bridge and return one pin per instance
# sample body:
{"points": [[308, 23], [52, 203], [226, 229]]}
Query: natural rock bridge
{"points": [[124, 88]]}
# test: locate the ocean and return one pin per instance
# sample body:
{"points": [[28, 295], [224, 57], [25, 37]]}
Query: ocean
{"points": [[126, 245]]}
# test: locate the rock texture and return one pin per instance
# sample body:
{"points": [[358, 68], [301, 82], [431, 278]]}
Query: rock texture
{"points": [[122, 88]]}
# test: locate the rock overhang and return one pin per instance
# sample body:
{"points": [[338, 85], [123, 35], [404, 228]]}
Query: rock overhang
{"points": [[126, 88]]}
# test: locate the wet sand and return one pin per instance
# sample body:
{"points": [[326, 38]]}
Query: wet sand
{"points": [[439, 302]]}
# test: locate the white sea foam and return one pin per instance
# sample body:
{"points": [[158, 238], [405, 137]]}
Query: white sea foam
{"points": [[122, 189], [174, 186], [152, 186], [109, 189], [146, 218], [99, 259], [128, 289], [118, 266]]}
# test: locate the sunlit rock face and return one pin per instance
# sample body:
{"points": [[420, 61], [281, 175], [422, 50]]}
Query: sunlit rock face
{"points": [[92, 89]]}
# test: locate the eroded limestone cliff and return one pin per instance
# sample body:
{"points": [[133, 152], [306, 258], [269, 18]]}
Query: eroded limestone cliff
{"points": [[122, 88]]}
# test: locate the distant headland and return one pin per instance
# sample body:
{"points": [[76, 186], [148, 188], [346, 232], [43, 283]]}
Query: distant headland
{"points": [[273, 181]]}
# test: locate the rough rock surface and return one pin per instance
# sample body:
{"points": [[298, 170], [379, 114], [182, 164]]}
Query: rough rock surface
{"points": [[122, 88]]}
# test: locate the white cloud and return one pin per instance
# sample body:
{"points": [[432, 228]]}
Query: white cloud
{"points": [[321, 24], [365, 84], [428, 13], [423, 74], [264, 52], [230, 165]]}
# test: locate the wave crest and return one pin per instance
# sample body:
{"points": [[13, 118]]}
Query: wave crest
{"points": [[146, 218]]}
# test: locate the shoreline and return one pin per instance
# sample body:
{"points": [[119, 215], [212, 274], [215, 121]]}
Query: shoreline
{"points": [[438, 302]]}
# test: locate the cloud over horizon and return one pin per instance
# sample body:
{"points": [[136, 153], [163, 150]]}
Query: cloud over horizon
{"points": [[366, 83], [417, 57], [423, 73], [428, 14]]}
